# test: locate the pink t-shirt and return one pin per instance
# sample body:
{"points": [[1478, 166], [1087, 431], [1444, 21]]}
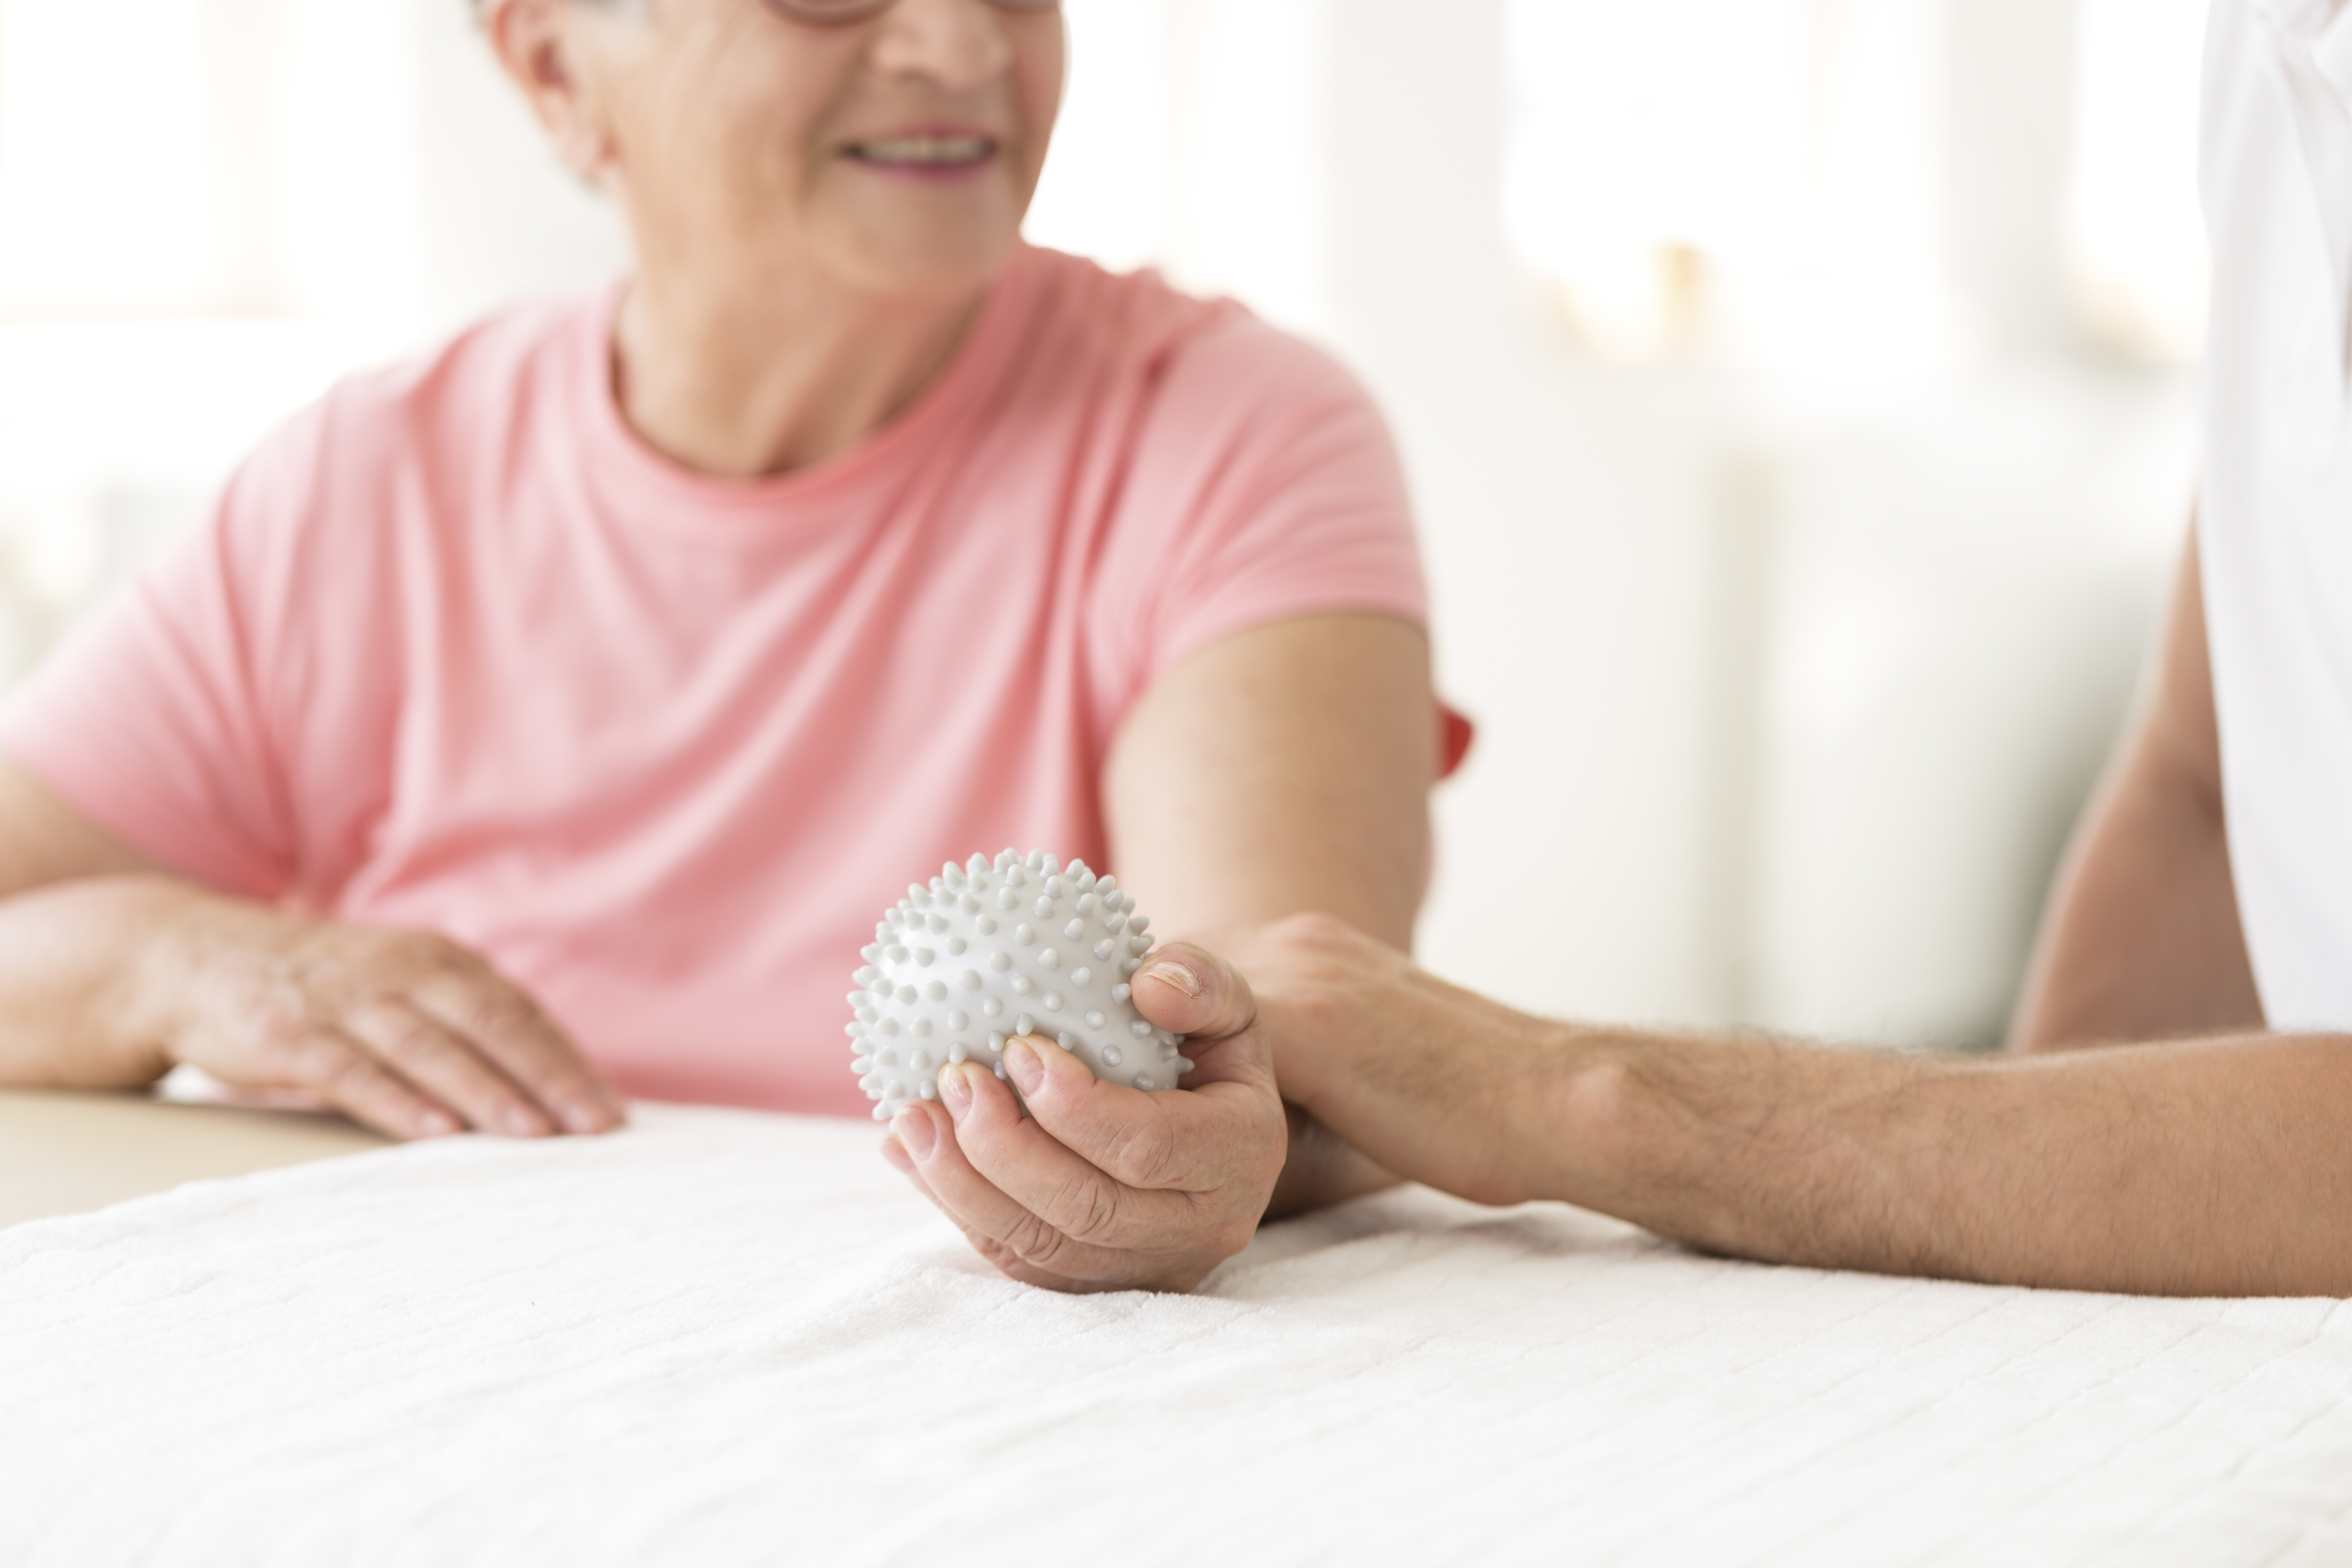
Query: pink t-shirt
{"points": [[455, 650]]}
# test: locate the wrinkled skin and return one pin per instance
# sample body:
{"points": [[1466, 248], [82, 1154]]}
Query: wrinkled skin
{"points": [[1104, 1187]]}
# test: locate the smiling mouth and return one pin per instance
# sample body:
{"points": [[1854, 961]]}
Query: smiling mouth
{"points": [[923, 151]]}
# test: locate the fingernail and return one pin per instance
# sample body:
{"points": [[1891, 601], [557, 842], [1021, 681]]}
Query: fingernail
{"points": [[955, 1091], [585, 1116], [517, 1122], [916, 1135], [436, 1124], [1170, 972], [1022, 1065]]}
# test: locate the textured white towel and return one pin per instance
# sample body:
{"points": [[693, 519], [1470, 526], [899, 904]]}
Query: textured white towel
{"points": [[723, 1338]]}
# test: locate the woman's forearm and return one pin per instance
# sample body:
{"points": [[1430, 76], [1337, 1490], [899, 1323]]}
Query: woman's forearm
{"points": [[107, 982], [1281, 769], [78, 990]]}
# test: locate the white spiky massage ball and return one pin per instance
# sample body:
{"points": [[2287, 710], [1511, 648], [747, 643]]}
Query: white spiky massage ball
{"points": [[993, 950]]}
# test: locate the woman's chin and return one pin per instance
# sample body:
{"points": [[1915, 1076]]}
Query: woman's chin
{"points": [[925, 261]]}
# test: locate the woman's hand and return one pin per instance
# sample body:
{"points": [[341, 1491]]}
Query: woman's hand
{"points": [[1104, 1187], [409, 1033]]}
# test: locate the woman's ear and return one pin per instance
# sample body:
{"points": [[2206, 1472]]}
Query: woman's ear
{"points": [[543, 46]]}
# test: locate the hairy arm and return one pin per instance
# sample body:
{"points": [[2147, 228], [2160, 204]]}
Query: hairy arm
{"points": [[2213, 1167], [2141, 940], [2204, 1167], [1281, 770]]}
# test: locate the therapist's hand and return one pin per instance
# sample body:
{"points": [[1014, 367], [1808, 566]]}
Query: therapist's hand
{"points": [[1104, 1187], [408, 1032], [1436, 1083]]}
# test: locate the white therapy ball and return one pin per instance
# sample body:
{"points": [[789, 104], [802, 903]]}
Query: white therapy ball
{"points": [[1019, 945]]}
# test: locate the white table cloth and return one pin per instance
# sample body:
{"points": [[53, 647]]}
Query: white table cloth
{"points": [[723, 1338]]}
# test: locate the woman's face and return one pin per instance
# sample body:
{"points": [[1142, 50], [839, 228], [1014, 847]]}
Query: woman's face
{"points": [[895, 155]]}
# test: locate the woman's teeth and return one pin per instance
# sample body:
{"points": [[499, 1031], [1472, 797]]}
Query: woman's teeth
{"points": [[924, 150]]}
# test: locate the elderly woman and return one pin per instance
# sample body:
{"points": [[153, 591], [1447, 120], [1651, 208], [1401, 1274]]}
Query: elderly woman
{"points": [[555, 711]]}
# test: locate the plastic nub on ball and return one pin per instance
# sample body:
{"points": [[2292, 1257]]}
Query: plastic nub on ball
{"points": [[997, 948]]}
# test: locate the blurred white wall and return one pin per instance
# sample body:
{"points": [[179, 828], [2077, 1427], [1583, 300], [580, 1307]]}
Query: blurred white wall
{"points": [[1798, 400], [1796, 394]]}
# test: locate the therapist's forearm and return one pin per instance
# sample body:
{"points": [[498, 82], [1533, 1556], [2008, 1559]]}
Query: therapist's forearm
{"points": [[2193, 1167], [2197, 1168]]}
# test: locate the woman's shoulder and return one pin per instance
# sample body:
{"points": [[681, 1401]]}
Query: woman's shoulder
{"points": [[1137, 306], [1208, 352], [470, 383], [380, 455]]}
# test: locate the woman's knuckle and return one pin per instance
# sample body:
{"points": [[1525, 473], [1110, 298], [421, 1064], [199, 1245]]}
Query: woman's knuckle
{"points": [[1095, 1212], [1035, 1243], [408, 1040], [342, 1076], [432, 944], [1144, 1157], [497, 1009], [492, 1015], [421, 955], [276, 1027]]}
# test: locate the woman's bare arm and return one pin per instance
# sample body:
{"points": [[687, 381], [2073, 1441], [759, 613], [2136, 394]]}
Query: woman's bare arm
{"points": [[43, 841], [68, 892], [1279, 770], [2142, 939], [111, 971]]}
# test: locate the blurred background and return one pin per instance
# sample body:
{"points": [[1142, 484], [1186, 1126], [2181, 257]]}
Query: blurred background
{"points": [[1797, 396]]}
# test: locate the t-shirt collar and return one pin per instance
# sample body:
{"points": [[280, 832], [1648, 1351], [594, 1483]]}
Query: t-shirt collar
{"points": [[623, 464]]}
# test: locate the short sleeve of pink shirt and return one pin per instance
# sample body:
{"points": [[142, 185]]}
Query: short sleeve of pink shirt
{"points": [[457, 651]]}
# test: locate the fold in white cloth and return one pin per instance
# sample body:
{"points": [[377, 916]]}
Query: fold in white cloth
{"points": [[723, 1338]]}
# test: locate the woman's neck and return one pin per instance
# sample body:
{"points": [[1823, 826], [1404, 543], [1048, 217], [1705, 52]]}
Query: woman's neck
{"points": [[767, 378]]}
